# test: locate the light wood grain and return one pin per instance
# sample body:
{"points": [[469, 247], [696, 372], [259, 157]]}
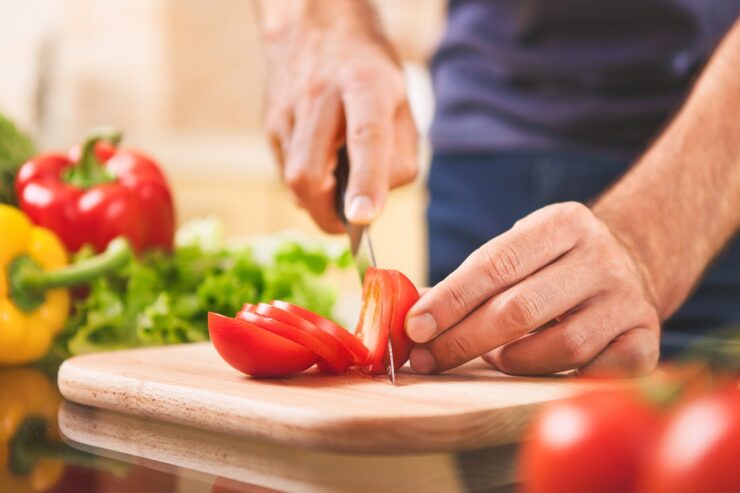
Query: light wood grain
{"points": [[471, 407]]}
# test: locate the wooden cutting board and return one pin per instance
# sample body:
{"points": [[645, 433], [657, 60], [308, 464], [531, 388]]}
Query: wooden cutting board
{"points": [[470, 407]]}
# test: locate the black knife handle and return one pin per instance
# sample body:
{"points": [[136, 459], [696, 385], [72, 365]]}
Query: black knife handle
{"points": [[341, 175]]}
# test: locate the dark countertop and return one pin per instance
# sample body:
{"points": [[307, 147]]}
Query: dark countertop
{"points": [[55, 446]]}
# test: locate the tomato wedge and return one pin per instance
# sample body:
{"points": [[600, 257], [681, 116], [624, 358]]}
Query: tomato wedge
{"points": [[386, 298], [255, 351], [350, 342], [334, 356]]}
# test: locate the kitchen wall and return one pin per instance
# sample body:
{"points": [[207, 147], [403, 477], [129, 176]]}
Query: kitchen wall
{"points": [[184, 79]]}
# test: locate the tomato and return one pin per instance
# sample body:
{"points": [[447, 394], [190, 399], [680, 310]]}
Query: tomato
{"points": [[256, 351], [700, 448], [593, 442], [387, 296], [349, 341], [405, 295], [276, 313], [333, 354]]}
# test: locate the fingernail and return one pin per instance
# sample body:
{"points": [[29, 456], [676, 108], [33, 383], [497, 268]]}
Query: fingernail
{"points": [[422, 360], [421, 328], [361, 210]]}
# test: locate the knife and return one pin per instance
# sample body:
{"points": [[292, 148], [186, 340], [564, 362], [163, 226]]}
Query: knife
{"points": [[360, 244]]}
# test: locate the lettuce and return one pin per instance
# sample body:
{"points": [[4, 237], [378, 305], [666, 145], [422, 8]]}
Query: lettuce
{"points": [[165, 298]]}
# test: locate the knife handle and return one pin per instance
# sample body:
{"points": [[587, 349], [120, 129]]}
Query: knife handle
{"points": [[341, 175]]}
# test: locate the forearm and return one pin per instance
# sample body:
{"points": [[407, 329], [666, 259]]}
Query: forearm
{"points": [[680, 204]]}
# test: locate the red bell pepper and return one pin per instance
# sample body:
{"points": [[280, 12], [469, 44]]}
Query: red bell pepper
{"points": [[96, 193]]}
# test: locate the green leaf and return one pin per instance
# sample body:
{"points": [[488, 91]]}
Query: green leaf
{"points": [[162, 298], [15, 149]]}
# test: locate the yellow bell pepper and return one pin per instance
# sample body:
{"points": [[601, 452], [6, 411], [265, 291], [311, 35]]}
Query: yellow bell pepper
{"points": [[27, 397], [33, 274], [32, 455]]}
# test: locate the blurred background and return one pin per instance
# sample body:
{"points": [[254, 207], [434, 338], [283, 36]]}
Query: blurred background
{"points": [[185, 80]]}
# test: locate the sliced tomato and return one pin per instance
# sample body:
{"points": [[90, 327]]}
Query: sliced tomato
{"points": [[350, 342], [387, 296], [375, 316], [276, 313], [335, 357], [405, 295], [256, 351]]}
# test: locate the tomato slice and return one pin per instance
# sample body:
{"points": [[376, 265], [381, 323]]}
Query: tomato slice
{"points": [[300, 331], [405, 295], [386, 298], [350, 342], [375, 314], [255, 351]]}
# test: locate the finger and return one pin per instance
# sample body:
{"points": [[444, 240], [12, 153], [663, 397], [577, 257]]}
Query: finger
{"points": [[406, 139], [369, 117], [321, 210], [279, 126], [565, 346], [632, 354], [310, 156], [537, 300], [531, 244]]}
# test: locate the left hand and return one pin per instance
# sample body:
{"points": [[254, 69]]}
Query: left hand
{"points": [[558, 291]]}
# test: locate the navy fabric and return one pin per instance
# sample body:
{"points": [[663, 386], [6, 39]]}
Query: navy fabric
{"points": [[583, 75], [474, 197]]}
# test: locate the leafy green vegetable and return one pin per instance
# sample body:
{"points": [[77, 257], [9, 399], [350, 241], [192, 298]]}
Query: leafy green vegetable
{"points": [[164, 299], [15, 149]]}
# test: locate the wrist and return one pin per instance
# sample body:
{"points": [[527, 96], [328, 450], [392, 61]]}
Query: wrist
{"points": [[634, 248], [281, 18]]}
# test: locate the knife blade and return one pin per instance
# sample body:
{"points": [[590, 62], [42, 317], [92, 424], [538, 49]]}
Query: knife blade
{"points": [[360, 244]]}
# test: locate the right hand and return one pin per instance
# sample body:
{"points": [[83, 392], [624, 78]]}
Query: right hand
{"points": [[328, 82]]}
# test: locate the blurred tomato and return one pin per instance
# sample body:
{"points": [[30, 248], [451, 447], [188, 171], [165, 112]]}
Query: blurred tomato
{"points": [[595, 442], [700, 448]]}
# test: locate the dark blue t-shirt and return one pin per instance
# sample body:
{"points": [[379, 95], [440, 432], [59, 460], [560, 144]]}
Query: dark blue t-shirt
{"points": [[568, 74]]}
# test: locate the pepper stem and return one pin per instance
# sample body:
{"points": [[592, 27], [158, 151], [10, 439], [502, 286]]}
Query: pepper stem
{"points": [[28, 281], [31, 442], [88, 171]]}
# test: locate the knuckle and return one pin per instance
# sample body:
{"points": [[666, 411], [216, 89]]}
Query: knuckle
{"points": [[458, 299], [296, 178], [521, 310], [574, 347], [365, 132], [354, 74], [406, 173], [501, 265], [640, 359], [459, 348], [576, 215], [315, 87]]}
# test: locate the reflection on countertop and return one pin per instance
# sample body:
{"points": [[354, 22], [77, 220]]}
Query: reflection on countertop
{"points": [[231, 463]]}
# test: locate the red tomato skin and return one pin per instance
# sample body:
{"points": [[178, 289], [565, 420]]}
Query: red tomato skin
{"points": [[343, 357], [595, 442], [699, 451], [327, 350], [406, 296], [346, 338], [255, 351]]}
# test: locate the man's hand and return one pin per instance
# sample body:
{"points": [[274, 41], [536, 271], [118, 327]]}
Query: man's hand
{"points": [[332, 77], [556, 292]]}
